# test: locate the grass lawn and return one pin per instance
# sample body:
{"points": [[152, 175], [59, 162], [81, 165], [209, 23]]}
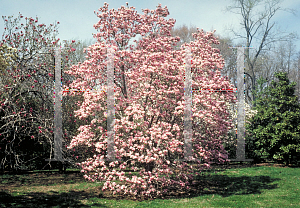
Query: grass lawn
{"points": [[263, 185]]}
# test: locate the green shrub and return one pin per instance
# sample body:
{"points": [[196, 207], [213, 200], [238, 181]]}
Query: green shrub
{"points": [[273, 133]]}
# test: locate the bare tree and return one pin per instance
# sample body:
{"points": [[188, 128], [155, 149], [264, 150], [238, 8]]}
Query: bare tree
{"points": [[185, 33], [258, 27], [283, 58], [297, 74], [284, 55]]}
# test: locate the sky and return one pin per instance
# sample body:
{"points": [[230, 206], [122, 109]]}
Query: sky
{"points": [[77, 17]]}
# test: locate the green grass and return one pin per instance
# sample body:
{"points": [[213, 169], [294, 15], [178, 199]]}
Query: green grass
{"points": [[263, 186]]}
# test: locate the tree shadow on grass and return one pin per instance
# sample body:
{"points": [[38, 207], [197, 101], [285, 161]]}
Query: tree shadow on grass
{"points": [[208, 182], [226, 186], [222, 185], [55, 199]]}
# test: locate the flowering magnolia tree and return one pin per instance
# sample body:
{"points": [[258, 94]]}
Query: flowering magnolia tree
{"points": [[149, 104]]}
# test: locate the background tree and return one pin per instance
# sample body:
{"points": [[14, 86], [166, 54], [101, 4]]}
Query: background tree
{"points": [[259, 29], [297, 73], [274, 131], [282, 58], [185, 33]]}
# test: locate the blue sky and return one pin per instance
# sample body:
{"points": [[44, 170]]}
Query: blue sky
{"points": [[77, 17]]}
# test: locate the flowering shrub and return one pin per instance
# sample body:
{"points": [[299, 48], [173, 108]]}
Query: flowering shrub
{"points": [[231, 142], [249, 113], [149, 104]]}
